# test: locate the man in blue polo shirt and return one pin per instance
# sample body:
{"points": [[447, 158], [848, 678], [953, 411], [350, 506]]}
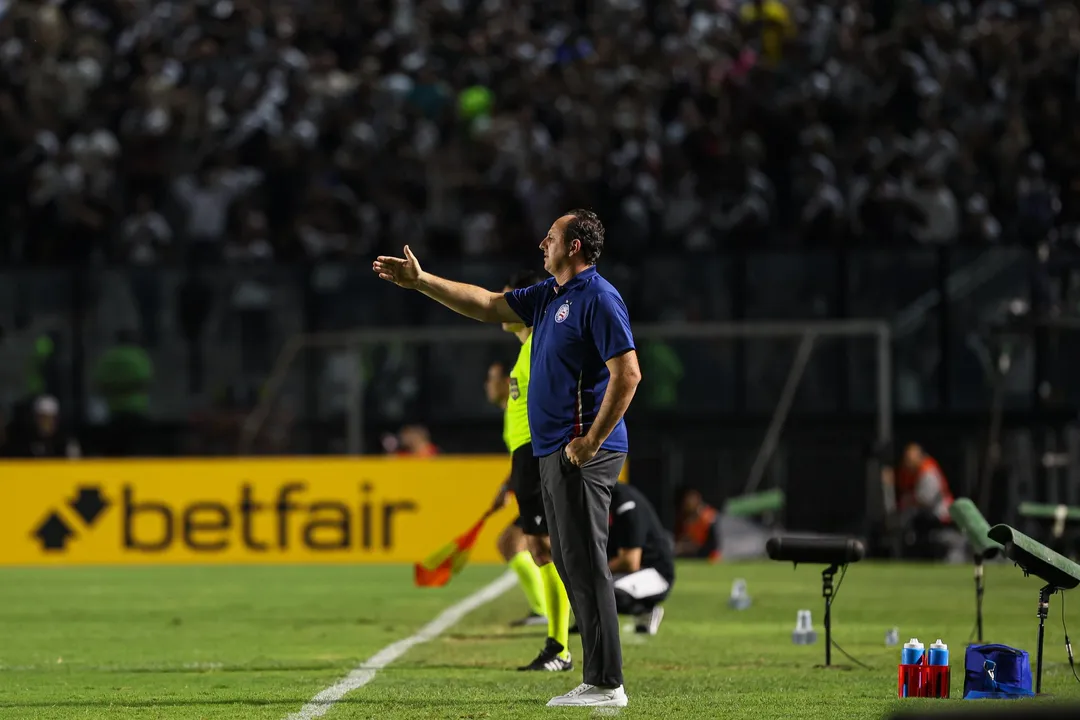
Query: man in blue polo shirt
{"points": [[584, 375]]}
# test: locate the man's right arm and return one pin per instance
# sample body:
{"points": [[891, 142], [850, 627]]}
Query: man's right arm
{"points": [[468, 300]]}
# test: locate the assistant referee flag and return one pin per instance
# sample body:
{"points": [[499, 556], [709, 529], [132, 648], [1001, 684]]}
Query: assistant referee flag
{"points": [[440, 566]]}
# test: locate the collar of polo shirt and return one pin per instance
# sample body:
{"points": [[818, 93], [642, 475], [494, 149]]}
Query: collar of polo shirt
{"points": [[577, 280]]}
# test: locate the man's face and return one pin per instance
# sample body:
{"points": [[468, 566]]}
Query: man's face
{"points": [[497, 385], [913, 457], [512, 327], [557, 254]]}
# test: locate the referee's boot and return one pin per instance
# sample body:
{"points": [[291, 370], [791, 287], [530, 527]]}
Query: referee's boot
{"points": [[548, 660]]}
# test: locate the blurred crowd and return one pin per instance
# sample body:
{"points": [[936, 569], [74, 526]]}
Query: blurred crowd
{"points": [[176, 134], [243, 131]]}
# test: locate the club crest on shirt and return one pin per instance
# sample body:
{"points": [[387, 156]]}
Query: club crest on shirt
{"points": [[562, 313], [515, 390]]}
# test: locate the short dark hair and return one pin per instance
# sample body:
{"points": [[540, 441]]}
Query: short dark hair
{"points": [[524, 279], [586, 228]]}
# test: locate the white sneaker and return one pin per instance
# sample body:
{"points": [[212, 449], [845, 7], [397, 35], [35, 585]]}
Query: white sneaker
{"points": [[649, 623], [591, 696]]}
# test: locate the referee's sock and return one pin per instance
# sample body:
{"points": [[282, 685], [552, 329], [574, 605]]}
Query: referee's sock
{"points": [[558, 608], [531, 580]]}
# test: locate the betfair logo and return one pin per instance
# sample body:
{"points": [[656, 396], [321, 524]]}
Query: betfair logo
{"points": [[55, 530], [288, 518]]}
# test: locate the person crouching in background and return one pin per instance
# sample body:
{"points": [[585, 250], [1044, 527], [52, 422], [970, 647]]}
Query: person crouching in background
{"points": [[411, 441], [697, 530], [923, 499]]}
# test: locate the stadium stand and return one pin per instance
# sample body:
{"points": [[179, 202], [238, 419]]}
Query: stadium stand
{"points": [[246, 130], [217, 173]]}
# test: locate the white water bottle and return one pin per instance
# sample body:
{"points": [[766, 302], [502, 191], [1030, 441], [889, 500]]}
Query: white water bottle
{"points": [[892, 637], [804, 629], [740, 598]]}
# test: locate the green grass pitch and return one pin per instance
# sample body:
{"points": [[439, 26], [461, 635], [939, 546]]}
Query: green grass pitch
{"points": [[259, 642]]}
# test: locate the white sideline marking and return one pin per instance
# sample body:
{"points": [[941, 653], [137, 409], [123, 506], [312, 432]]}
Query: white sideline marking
{"points": [[365, 672]]}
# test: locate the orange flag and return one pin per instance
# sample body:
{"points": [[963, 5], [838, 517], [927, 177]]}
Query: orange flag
{"points": [[446, 562]]}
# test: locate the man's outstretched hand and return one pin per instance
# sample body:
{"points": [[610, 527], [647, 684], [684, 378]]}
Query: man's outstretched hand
{"points": [[403, 272]]}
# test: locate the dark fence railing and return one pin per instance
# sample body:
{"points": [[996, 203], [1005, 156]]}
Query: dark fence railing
{"points": [[213, 335]]}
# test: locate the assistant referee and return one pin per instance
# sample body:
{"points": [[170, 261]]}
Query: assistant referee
{"points": [[584, 375]]}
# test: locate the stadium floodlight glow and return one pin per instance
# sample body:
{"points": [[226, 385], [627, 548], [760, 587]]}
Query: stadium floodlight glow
{"points": [[977, 531], [832, 550], [1034, 558]]}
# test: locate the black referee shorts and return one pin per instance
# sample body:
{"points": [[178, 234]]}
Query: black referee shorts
{"points": [[525, 482]]}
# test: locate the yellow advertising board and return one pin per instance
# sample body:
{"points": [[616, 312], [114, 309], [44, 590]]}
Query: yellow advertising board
{"points": [[246, 510]]}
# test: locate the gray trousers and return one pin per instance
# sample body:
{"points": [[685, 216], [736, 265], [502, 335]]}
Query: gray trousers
{"points": [[576, 502]]}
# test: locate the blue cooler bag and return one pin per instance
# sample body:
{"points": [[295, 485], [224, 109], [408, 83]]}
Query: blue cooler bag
{"points": [[996, 671]]}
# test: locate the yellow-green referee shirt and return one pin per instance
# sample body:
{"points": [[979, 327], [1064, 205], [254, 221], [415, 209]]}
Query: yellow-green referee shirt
{"points": [[516, 419]]}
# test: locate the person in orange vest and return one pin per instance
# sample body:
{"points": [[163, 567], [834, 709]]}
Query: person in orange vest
{"points": [[923, 499], [697, 532], [411, 441]]}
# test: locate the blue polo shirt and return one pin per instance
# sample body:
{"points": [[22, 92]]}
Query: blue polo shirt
{"points": [[577, 328]]}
